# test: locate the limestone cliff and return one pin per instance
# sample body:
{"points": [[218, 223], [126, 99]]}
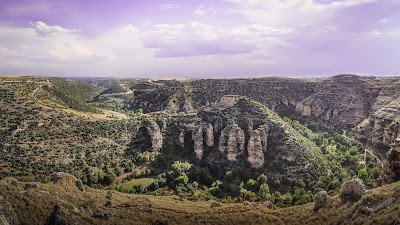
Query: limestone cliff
{"points": [[257, 144], [340, 102], [232, 141]]}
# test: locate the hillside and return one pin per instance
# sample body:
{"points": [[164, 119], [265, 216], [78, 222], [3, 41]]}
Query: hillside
{"points": [[34, 206], [180, 140]]}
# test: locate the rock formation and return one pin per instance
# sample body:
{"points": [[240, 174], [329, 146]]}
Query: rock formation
{"points": [[232, 141], [67, 180], [256, 146], [197, 136], [31, 186], [181, 138], [320, 200], [391, 165], [7, 214], [61, 216], [352, 189], [340, 102], [155, 133], [209, 135]]}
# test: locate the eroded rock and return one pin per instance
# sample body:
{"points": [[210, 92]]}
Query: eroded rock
{"points": [[320, 200], [232, 141], [256, 146], [67, 180], [197, 136], [352, 190], [61, 216], [391, 165]]}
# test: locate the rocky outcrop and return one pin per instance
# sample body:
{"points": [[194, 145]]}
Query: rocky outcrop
{"points": [[340, 102], [232, 141], [181, 138], [7, 214], [382, 128], [61, 216], [352, 190], [31, 186], [391, 164], [256, 146], [320, 200], [197, 136], [209, 134], [156, 137], [67, 180]]}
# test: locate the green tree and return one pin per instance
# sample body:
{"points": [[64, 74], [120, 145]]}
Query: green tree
{"points": [[262, 179], [263, 193]]}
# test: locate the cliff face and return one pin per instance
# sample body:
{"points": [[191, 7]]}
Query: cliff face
{"points": [[239, 136], [366, 105], [391, 165], [257, 145], [340, 102], [231, 141], [279, 94]]}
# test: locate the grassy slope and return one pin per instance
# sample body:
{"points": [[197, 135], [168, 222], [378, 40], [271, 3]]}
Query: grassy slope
{"points": [[129, 184], [34, 206]]}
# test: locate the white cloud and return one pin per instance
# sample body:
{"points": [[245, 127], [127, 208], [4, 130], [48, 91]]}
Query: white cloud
{"points": [[44, 42], [44, 30], [195, 38], [203, 10]]}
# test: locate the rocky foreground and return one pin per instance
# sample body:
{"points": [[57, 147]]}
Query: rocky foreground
{"points": [[65, 202]]}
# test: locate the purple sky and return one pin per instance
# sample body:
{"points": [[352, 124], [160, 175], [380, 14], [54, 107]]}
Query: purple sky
{"points": [[192, 38]]}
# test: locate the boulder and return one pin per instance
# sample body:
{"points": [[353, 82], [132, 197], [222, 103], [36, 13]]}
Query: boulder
{"points": [[67, 180], [270, 205], [320, 200], [352, 190], [31, 186], [61, 216]]}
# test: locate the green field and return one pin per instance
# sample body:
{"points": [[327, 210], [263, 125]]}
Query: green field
{"points": [[129, 184]]}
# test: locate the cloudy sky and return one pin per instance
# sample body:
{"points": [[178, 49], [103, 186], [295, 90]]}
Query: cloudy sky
{"points": [[191, 38]]}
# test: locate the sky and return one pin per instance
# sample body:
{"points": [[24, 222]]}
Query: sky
{"points": [[199, 39]]}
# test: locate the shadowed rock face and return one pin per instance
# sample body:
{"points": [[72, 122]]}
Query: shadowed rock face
{"points": [[7, 214], [391, 165], [61, 216]]}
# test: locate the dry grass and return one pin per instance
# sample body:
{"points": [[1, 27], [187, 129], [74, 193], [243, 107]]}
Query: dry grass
{"points": [[34, 206]]}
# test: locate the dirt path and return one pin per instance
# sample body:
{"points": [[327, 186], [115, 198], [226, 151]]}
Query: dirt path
{"points": [[33, 94]]}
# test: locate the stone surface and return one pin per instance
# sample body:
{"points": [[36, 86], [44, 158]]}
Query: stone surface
{"points": [[61, 216], [156, 136], [209, 135], [31, 186], [320, 200], [256, 146], [197, 136], [391, 165], [352, 189], [232, 141], [67, 180]]}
